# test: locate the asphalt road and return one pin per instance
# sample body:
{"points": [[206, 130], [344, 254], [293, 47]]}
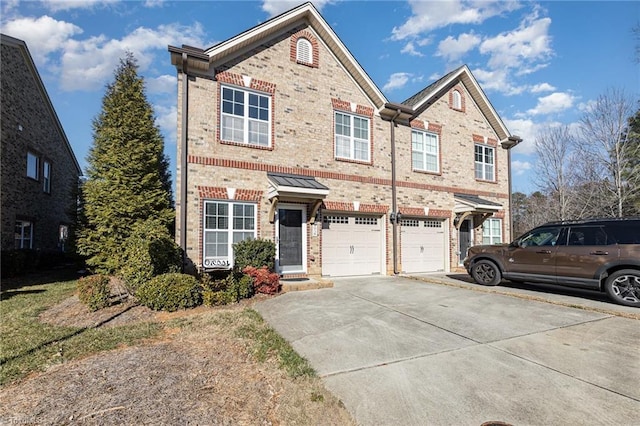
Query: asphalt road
{"points": [[403, 351]]}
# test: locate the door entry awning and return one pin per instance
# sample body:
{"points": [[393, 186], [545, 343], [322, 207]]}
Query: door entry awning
{"points": [[472, 205], [291, 186]]}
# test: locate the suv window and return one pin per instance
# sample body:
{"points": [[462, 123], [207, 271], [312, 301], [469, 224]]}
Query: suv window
{"points": [[588, 236], [540, 237], [624, 233]]}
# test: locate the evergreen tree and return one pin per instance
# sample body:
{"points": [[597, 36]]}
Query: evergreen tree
{"points": [[128, 180]]}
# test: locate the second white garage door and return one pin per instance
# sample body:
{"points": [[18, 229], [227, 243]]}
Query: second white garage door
{"points": [[351, 245], [423, 245]]}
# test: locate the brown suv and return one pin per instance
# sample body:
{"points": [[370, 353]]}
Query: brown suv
{"points": [[598, 254]]}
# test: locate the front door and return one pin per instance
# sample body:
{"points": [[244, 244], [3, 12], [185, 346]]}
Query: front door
{"points": [[291, 239], [464, 239]]}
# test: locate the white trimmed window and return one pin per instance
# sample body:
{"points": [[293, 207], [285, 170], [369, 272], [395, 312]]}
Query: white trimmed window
{"points": [[226, 223], [24, 234], [425, 151], [246, 117], [457, 100], [352, 137], [492, 231], [485, 162], [304, 52], [46, 175], [33, 165]]}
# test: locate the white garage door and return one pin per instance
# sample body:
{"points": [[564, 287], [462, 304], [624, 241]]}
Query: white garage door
{"points": [[351, 245], [423, 245]]}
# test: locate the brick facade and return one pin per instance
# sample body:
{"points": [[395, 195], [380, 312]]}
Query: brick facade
{"points": [[303, 143], [29, 124]]}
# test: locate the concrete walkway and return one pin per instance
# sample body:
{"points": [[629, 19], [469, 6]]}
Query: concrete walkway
{"points": [[400, 351]]}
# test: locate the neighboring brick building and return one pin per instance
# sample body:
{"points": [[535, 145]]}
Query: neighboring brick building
{"points": [[282, 135], [39, 170]]}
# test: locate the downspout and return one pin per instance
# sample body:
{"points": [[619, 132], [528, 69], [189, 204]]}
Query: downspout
{"points": [[508, 144], [183, 161], [394, 204]]}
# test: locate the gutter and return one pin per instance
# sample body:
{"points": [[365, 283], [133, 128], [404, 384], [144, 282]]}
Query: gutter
{"points": [[183, 160]]}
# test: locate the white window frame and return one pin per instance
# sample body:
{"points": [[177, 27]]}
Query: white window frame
{"points": [[457, 99], [492, 231], [422, 154], [304, 51], [46, 177], [33, 165], [485, 170], [350, 138], [20, 235], [230, 133], [226, 261]]}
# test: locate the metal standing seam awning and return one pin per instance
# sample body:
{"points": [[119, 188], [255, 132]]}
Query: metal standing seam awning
{"points": [[468, 205], [297, 188]]}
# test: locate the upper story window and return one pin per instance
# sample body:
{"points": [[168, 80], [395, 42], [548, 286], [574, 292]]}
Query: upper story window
{"points": [[33, 165], [425, 151], [24, 234], [456, 100], [492, 231], [352, 137], [246, 117], [304, 51], [46, 175], [485, 162]]}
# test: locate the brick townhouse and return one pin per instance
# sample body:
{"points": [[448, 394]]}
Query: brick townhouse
{"points": [[282, 135], [40, 172]]}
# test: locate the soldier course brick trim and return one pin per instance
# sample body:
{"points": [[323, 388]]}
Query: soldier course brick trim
{"points": [[262, 167], [349, 207], [255, 84], [315, 49], [420, 212], [219, 193]]}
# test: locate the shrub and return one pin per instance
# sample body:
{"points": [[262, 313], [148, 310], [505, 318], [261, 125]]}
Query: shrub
{"points": [[263, 281], [148, 252], [256, 253], [170, 292], [94, 291], [229, 289]]}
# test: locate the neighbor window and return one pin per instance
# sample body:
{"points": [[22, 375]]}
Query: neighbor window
{"points": [[424, 151], [492, 231], [485, 162], [46, 177], [304, 53], [224, 225], [24, 234], [457, 100], [246, 117], [32, 165], [352, 137]]}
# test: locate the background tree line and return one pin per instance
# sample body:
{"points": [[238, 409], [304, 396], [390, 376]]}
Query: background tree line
{"points": [[589, 169]]}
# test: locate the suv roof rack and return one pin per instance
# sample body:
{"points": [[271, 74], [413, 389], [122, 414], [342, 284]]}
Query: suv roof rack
{"points": [[591, 220]]}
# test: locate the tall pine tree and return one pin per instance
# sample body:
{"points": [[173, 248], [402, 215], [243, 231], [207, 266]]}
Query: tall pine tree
{"points": [[128, 180]]}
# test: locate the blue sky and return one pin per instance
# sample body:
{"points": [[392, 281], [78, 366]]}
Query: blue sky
{"points": [[540, 63]]}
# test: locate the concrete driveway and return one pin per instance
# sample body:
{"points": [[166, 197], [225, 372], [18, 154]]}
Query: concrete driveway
{"points": [[400, 351]]}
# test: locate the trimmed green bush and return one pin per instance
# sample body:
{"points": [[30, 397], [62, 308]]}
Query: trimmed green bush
{"points": [[170, 292], [148, 252], [226, 290], [94, 291], [256, 253]]}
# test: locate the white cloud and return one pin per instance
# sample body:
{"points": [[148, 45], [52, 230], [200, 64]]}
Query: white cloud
{"points": [[60, 5], [276, 7], [542, 87], [162, 84], [397, 81], [411, 50], [454, 48], [43, 35], [555, 102], [526, 46], [528, 130], [430, 15], [166, 119], [497, 80], [519, 168]]}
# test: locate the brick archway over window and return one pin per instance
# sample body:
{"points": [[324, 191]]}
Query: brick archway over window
{"points": [[314, 51]]}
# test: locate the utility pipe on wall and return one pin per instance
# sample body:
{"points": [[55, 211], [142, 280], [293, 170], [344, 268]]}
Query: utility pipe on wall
{"points": [[394, 204]]}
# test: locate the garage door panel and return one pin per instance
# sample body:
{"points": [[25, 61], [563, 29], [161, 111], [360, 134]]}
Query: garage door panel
{"points": [[423, 245], [351, 245]]}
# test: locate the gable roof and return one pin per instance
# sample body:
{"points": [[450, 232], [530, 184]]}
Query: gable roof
{"points": [[20, 44], [421, 100], [243, 42]]}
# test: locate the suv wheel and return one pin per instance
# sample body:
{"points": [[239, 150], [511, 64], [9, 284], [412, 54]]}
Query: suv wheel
{"points": [[624, 287], [486, 272]]}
